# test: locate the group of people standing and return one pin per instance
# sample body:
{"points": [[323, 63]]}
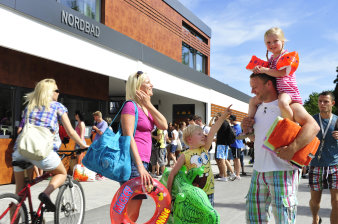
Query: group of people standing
{"points": [[274, 181]]}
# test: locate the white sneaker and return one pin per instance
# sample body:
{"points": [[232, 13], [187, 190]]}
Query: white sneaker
{"points": [[238, 177], [232, 177], [224, 179]]}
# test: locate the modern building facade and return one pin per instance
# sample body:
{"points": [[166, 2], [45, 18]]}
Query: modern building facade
{"points": [[90, 47]]}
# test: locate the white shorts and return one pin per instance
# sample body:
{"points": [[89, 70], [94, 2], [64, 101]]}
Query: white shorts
{"points": [[47, 164]]}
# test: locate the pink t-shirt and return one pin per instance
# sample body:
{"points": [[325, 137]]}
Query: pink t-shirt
{"points": [[145, 125], [286, 84]]}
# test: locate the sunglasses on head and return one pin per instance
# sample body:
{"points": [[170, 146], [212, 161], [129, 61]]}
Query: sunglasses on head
{"points": [[138, 74]]}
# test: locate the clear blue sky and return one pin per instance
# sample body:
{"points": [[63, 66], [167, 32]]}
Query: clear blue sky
{"points": [[238, 28]]}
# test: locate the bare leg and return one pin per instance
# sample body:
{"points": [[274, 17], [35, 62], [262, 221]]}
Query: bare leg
{"points": [[334, 203], [228, 165], [59, 177], [20, 179], [315, 205], [284, 101], [221, 167], [237, 165], [133, 209], [172, 157]]}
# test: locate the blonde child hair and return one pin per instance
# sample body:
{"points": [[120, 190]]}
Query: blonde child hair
{"points": [[42, 95], [134, 83], [279, 33], [189, 131]]}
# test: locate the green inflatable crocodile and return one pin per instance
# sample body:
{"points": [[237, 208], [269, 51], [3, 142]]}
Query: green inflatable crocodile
{"points": [[191, 203]]}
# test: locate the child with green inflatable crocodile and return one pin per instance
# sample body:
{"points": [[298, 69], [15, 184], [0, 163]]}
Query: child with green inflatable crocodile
{"points": [[198, 156]]}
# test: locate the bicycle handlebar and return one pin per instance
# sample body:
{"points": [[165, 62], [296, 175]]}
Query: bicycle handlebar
{"points": [[66, 153]]}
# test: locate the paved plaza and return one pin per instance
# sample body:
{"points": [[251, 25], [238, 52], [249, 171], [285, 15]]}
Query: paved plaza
{"points": [[229, 200]]}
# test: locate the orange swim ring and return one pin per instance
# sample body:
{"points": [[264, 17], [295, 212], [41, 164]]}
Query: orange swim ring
{"points": [[160, 194]]}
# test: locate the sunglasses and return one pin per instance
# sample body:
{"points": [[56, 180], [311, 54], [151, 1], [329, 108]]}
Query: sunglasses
{"points": [[138, 74], [57, 91]]}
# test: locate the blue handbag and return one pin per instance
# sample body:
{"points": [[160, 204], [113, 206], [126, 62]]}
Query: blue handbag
{"points": [[110, 154]]}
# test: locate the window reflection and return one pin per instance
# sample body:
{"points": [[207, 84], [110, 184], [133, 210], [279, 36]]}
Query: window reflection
{"points": [[6, 116], [193, 58], [90, 8]]}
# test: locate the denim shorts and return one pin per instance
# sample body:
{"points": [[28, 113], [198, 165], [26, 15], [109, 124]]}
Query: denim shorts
{"points": [[135, 173], [51, 162], [173, 148]]}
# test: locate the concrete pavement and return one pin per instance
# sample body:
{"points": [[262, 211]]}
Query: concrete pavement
{"points": [[229, 200]]}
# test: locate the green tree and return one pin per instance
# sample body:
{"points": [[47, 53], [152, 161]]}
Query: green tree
{"points": [[335, 92], [311, 104]]}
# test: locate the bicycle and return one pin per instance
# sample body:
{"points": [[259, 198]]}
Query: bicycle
{"points": [[70, 201]]}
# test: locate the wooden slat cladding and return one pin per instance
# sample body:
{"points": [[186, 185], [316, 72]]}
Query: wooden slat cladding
{"points": [[20, 69], [216, 108], [155, 24]]}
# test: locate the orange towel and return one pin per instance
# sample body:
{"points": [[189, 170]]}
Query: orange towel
{"points": [[256, 61], [284, 133]]}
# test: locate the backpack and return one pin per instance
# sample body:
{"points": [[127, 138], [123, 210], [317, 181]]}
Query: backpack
{"points": [[63, 135]]}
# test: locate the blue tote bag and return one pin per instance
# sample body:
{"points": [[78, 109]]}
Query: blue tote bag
{"points": [[110, 154]]}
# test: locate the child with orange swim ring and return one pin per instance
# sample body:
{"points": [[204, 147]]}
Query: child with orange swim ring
{"points": [[281, 65]]}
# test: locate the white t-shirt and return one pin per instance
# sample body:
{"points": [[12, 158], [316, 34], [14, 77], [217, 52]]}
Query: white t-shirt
{"points": [[206, 130], [265, 160], [174, 135]]}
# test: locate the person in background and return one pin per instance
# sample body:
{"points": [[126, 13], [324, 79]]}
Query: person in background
{"points": [[222, 151], [174, 143], [44, 110], [140, 90], [323, 173], [80, 130], [237, 146], [109, 120], [100, 125], [181, 127]]}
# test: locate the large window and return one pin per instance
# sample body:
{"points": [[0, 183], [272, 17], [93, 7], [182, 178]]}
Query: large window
{"points": [[194, 32], [193, 58], [90, 8]]}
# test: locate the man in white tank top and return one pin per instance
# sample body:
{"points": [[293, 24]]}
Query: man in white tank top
{"points": [[274, 181]]}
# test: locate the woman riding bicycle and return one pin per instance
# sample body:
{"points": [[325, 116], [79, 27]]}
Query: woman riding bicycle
{"points": [[44, 110]]}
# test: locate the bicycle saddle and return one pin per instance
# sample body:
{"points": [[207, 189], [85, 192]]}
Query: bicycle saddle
{"points": [[21, 164]]}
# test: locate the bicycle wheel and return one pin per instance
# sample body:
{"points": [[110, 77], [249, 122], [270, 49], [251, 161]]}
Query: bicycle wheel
{"points": [[6, 201], [70, 204]]}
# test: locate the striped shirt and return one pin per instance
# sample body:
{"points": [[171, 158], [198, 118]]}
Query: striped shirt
{"points": [[48, 119], [286, 84]]}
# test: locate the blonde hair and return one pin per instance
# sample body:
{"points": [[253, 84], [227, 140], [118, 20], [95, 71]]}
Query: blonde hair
{"points": [[275, 31], [189, 131], [134, 83], [97, 113], [42, 95]]}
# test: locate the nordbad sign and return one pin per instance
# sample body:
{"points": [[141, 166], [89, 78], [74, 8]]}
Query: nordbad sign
{"points": [[80, 24]]}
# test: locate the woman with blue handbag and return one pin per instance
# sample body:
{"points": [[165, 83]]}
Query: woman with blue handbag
{"points": [[139, 89]]}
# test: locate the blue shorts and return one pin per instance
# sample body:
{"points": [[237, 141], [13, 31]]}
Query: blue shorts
{"points": [[173, 148], [221, 152], [230, 156]]}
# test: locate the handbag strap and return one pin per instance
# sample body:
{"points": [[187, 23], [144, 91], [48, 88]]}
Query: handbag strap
{"points": [[136, 115]]}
